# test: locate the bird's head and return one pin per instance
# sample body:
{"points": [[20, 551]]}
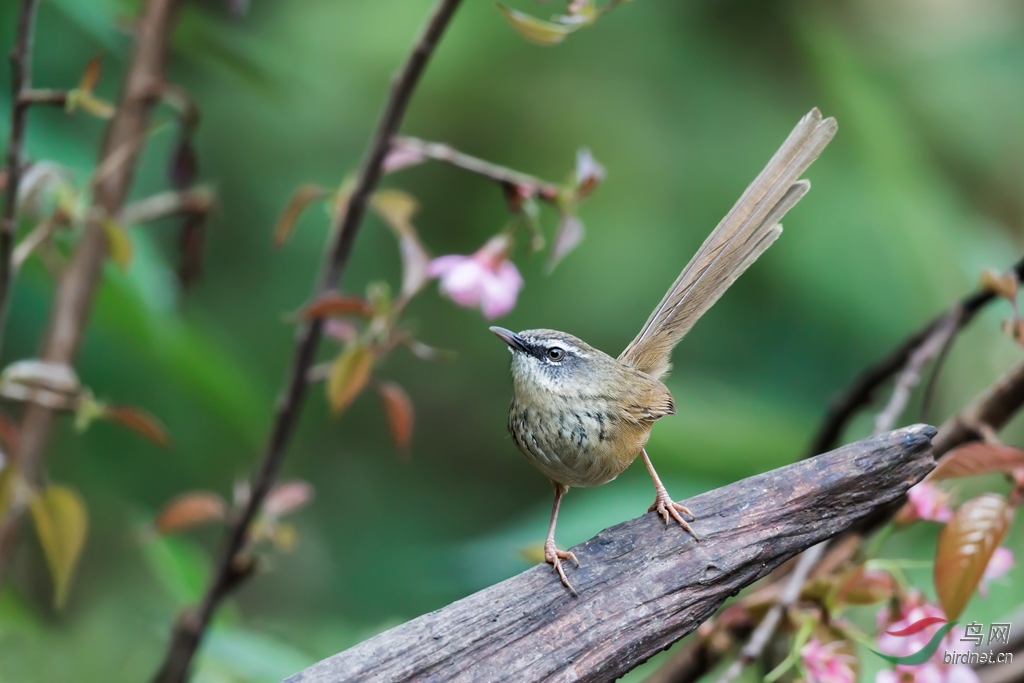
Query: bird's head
{"points": [[553, 361]]}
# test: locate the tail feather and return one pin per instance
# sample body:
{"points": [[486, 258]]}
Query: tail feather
{"points": [[740, 238]]}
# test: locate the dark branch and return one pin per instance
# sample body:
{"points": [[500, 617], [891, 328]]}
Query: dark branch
{"points": [[641, 586], [21, 82], [862, 391], [232, 566]]}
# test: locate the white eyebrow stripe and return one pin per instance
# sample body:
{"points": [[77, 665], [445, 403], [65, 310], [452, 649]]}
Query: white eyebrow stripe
{"points": [[572, 348]]}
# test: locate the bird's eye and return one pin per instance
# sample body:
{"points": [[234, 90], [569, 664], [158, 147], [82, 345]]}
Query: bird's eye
{"points": [[555, 353]]}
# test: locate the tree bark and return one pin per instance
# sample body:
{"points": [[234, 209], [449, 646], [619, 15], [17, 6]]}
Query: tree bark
{"points": [[641, 586]]}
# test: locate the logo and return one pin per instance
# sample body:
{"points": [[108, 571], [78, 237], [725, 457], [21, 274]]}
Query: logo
{"points": [[999, 634], [922, 655]]}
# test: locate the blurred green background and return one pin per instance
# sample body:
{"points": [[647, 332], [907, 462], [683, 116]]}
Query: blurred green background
{"points": [[683, 103]]}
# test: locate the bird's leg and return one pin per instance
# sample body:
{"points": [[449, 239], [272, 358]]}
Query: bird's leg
{"points": [[663, 503], [552, 555]]}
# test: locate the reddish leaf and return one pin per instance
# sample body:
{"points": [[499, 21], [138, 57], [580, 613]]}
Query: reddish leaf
{"points": [[139, 421], [303, 197], [400, 412], [1001, 284], [965, 546], [189, 510], [91, 75], [978, 458], [335, 303], [350, 372], [287, 497]]}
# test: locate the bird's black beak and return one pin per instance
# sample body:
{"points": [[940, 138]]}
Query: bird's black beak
{"points": [[513, 340]]}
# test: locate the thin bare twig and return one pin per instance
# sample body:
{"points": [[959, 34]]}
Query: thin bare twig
{"points": [[499, 174], [861, 392], [21, 82], [910, 375], [57, 98], [762, 635], [170, 203], [233, 567]]}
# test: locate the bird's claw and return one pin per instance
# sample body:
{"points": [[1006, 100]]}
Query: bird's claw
{"points": [[554, 557], [665, 506]]}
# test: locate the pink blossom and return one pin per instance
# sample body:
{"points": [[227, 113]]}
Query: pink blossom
{"points": [[485, 279], [824, 665], [1000, 563], [927, 501], [932, 671]]}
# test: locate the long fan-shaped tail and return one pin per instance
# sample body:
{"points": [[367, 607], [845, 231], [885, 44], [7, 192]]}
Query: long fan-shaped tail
{"points": [[743, 235]]}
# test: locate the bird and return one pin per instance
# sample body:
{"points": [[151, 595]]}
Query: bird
{"points": [[581, 416]]}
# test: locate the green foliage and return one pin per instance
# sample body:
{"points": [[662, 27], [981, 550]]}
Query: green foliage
{"points": [[681, 102]]}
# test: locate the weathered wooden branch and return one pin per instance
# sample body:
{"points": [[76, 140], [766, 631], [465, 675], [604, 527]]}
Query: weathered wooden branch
{"points": [[641, 586]]}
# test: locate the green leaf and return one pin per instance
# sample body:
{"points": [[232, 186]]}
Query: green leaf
{"points": [[87, 410], [536, 30], [349, 374], [179, 565], [62, 523]]}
